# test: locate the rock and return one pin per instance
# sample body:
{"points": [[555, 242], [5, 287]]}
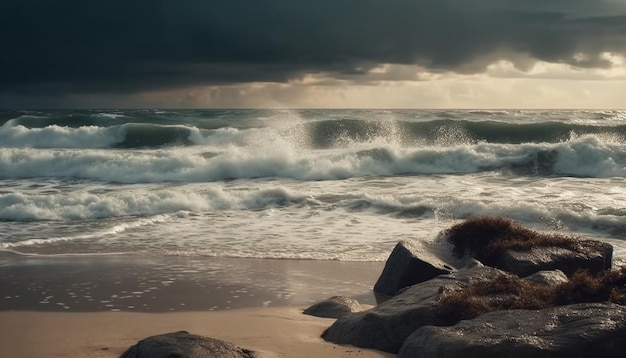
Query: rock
{"points": [[472, 263], [582, 330], [408, 265], [184, 345], [386, 326], [334, 307], [428, 297], [502, 243], [551, 278], [591, 255]]}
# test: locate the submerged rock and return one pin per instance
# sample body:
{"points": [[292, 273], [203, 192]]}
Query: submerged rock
{"points": [[386, 326], [582, 330], [184, 345], [334, 307], [406, 266]]}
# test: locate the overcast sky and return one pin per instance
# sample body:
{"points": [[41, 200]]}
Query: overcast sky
{"points": [[313, 53]]}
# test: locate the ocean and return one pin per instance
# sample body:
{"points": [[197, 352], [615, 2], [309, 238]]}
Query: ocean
{"points": [[341, 185]]}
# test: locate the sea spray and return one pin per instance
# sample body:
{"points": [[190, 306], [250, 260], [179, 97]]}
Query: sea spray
{"points": [[315, 184]]}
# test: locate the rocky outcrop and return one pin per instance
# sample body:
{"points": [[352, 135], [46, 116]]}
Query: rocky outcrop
{"points": [[386, 326], [507, 245], [592, 256], [334, 307], [582, 330], [184, 345], [569, 302], [408, 265]]}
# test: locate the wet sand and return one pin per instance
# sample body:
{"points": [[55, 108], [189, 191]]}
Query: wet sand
{"points": [[97, 306]]}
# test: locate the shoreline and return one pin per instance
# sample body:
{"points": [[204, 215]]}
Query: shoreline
{"points": [[270, 332], [170, 283], [98, 306]]}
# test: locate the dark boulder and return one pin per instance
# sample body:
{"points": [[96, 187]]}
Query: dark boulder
{"points": [[407, 265], [502, 243], [590, 255], [386, 326], [184, 345], [576, 331], [477, 310], [334, 307]]}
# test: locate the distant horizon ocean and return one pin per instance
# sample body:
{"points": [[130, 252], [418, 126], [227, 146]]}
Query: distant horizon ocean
{"points": [[300, 184]]}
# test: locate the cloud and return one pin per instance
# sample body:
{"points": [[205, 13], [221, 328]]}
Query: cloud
{"points": [[130, 46]]}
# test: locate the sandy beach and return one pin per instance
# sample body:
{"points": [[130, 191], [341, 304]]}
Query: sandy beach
{"points": [[273, 332], [98, 306]]}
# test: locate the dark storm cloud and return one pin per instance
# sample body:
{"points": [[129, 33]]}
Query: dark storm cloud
{"points": [[69, 46]]}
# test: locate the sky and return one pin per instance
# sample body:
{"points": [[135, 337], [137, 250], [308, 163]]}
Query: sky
{"points": [[312, 53]]}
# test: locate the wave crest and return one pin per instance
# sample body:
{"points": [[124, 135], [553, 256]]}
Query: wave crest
{"points": [[584, 156]]}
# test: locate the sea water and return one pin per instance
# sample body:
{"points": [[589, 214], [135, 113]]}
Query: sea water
{"points": [[302, 184]]}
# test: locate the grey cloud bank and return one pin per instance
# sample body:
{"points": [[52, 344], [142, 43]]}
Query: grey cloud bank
{"points": [[72, 46]]}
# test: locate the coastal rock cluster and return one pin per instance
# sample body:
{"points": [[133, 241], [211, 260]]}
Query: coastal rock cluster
{"points": [[511, 292], [497, 289]]}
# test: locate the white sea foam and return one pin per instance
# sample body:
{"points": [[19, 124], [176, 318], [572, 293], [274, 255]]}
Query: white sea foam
{"points": [[19, 136], [14, 135], [580, 156], [302, 184], [347, 220], [109, 115], [138, 201], [103, 233], [593, 156]]}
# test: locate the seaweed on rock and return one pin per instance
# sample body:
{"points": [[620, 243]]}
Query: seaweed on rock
{"points": [[485, 237], [507, 292]]}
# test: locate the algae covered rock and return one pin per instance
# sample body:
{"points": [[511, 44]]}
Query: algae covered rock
{"points": [[386, 326], [502, 243]]}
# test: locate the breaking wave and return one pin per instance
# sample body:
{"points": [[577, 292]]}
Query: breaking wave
{"points": [[312, 130], [580, 156]]}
